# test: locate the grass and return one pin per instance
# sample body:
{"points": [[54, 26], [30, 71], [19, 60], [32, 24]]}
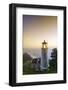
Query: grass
{"points": [[27, 69]]}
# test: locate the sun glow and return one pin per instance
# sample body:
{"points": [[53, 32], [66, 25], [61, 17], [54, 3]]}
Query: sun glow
{"points": [[39, 28]]}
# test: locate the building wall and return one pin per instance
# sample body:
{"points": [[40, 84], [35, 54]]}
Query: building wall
{"points": [[44, 62]]}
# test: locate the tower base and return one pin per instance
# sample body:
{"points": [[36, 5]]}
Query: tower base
{"points": [[43, 68]]}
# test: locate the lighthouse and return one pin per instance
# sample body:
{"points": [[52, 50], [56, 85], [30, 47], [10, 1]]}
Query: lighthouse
{"points": [[44, 61]]}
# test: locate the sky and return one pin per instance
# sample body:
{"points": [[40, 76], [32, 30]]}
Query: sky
{"points": [[36, 29]]}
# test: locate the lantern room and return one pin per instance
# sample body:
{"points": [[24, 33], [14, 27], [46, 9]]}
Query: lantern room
{"points": [[44, 44]]}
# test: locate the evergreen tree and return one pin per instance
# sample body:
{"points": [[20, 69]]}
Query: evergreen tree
{"points": [[53, 61]]}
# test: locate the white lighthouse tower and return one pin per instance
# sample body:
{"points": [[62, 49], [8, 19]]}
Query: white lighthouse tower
{"points": [[44, 61]]}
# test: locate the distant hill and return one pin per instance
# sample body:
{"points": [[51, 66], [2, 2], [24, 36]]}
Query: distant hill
{"points": [[26, 57]]}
